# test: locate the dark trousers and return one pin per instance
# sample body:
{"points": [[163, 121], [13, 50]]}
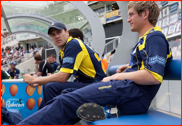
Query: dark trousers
{"points": [[54, 89], [62, 109]]}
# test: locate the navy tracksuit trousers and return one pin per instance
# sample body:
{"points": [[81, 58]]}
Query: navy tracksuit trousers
{"points": [[61, 110], [54, 89]]}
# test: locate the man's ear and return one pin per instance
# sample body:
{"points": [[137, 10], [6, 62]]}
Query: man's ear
{"points": [[146, 14]]}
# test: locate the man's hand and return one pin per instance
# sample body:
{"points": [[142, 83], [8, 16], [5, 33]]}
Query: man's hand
{"points": [[34, 85], [121, 69], [27, 78], [36, 64], [106, 79]]}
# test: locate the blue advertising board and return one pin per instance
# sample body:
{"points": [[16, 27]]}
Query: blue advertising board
{"points": [[20, 96]]}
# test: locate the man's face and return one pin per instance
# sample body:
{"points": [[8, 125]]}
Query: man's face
{"points": [[51, 59], [135, 20], [59, 37], [12, 66], [37, 61]]}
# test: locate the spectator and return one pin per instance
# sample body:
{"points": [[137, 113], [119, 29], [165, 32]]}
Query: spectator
{"points": [[14, 72], [2, 49], [48, 60], [35, 50], [44, 69], [104, 61], [52, 60], [111, 55], [76, 33]]}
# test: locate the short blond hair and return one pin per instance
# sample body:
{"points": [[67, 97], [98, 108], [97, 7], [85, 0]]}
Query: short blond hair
{"points": [[151, 6]]}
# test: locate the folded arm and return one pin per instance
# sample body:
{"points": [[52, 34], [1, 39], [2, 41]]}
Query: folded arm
{"points": [[142, 77]]}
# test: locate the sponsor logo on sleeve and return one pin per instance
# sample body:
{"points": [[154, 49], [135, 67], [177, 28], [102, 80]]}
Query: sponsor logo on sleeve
{"points": [[68, 60], [157, 59]]}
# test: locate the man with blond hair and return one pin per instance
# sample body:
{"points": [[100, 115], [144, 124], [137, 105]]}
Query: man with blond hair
{"points": [[131, 91]]}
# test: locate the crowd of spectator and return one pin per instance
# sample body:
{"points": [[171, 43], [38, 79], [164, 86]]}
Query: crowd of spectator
{"points": [[11, 54]]}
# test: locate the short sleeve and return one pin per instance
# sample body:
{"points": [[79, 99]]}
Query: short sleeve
{"points": [[154, 56], [73, 56]]}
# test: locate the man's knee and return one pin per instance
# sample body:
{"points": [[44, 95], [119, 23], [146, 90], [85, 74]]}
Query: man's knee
{"points": [[68, 90], [54, 88], [49, 86]]}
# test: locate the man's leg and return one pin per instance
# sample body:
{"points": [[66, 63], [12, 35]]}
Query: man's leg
{"points": [[54, 89], [62, 109]]}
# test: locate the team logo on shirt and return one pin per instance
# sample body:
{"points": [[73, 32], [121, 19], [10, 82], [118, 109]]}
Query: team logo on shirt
{"points": [[157, 59], [68, 60]]}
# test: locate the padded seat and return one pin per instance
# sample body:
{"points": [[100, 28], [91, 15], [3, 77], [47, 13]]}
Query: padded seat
{"points": [[153, 117]]}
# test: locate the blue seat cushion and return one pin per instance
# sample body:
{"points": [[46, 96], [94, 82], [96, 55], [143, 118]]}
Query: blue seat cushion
{"points": [[153, 117], [173, 71]]}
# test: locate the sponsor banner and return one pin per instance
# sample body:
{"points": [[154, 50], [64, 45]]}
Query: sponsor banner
{"points": [[173, 7], [15, 103], [179, 16], [163, 3], [112, 18], [112, 14], [173, 18], [20, 96]]}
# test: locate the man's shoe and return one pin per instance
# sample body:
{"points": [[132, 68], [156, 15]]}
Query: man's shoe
{"points": [[91, 112]]}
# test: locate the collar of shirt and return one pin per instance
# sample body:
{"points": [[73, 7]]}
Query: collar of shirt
{"points": [[157, 28], [62, 52]]}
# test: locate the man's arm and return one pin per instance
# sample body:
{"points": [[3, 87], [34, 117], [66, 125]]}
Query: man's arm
{"points": [[142, 77], [39, 74], [15, 77], [36, 68], [48, 74], [122, 68], [57, 77]]}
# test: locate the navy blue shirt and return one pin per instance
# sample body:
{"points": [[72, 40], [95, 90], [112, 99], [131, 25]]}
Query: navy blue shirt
{"points": [[16, 72], [82, 61], [54, 65], [153, 54]]}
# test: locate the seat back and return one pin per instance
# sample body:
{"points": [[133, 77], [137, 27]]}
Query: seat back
{"points": [[173, 71]]}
